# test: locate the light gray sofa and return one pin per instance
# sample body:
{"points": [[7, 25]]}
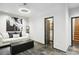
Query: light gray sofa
{"points": [[5, 40]]}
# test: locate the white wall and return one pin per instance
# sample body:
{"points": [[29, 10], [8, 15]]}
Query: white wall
{"points": [[74, 12], [37, 24], [68, 27]]}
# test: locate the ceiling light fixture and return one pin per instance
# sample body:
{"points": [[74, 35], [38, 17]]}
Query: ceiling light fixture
{"points": [[24, 11]]}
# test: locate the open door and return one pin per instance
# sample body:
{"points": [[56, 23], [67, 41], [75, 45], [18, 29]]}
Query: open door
{"points": [[49, 31], [75, 31]]}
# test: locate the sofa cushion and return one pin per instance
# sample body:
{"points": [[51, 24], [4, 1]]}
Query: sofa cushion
{"points": [[26, 35], [19, 39], [15, 35], [6, 41], [1, 38], [10, 40], [5, 35]]}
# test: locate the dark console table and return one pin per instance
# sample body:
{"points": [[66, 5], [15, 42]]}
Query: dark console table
{"points": [[18, 47]]}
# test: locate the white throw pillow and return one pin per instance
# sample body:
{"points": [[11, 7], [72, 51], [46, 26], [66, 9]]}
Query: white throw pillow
{"points": [[25, 34], [5, 35], [1, 38], [15, 35]]}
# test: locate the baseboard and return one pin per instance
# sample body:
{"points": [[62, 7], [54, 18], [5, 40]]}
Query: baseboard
{"points": [[38, 41], [60, 50]]}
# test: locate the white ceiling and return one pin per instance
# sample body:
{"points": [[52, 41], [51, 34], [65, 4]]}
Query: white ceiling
{"points": [[13, 7], [73, 5], [40, 7]]}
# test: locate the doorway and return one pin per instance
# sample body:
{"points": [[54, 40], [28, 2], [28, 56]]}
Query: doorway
{"points": [[49, 31], [75, 32]]}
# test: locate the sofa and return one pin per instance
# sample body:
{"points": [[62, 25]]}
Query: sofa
{"points": [[5, 40]]}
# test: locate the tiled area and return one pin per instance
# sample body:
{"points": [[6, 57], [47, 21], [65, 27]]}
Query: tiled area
{"points": [[40, 49]]}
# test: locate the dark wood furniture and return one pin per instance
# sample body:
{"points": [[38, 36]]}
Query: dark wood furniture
{"points": [[18, 47]]}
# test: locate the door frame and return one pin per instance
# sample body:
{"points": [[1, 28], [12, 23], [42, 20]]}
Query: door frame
{"points": [[72, 29], [45, 30]]}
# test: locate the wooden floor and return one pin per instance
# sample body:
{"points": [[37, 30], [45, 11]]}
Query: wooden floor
{"points": [[39, 49], [75, 42]]}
